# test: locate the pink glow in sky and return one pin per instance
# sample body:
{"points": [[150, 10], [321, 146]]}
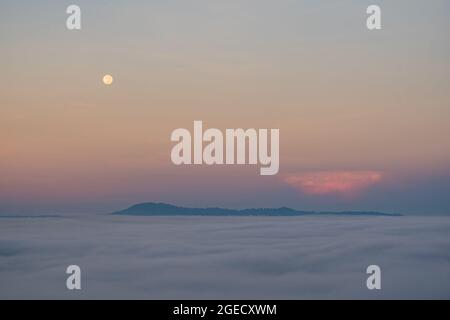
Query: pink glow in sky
{"points": [[333, 182]]}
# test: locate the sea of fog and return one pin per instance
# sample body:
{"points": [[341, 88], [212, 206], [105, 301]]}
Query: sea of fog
{"points": [[224, 257]]}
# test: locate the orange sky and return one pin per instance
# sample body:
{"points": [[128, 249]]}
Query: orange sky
{"points": [[346, 100]]}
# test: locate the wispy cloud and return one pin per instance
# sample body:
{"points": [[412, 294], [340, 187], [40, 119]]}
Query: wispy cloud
{"points": [[333, 182], [225, 258]]}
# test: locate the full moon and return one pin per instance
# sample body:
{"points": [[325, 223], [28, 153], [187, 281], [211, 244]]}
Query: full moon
{"points": [[108, 79]]}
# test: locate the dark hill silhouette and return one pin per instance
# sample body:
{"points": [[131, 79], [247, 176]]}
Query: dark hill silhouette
{"points": [[164, 209]]}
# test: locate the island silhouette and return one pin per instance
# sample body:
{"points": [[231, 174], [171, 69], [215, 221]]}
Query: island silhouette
{"points": [[164, 209]]}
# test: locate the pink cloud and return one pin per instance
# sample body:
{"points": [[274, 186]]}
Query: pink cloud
{"points": [[333, 182]]}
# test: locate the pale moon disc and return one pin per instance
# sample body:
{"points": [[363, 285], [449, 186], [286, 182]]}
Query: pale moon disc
{"points": [[108, 79]]}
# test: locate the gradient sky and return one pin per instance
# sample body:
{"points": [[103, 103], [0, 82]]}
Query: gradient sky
{"points": [[363, 115]]}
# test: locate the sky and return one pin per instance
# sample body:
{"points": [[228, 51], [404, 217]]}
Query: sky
{"points": [[363, 115]]}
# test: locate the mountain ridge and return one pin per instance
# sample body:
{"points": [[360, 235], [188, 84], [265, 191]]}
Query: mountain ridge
{"points": [[165, 209]]}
